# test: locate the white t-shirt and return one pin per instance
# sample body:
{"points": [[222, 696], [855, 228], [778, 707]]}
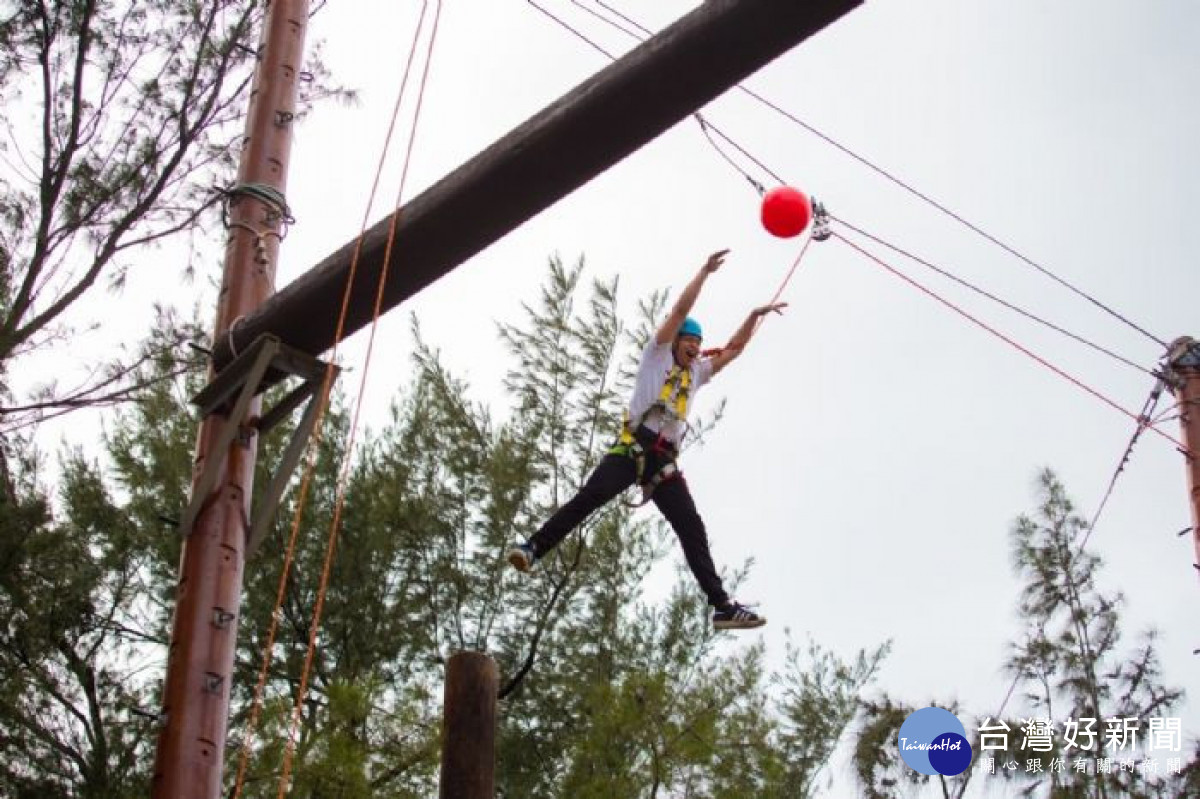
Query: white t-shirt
{"points": [[655, 367]]}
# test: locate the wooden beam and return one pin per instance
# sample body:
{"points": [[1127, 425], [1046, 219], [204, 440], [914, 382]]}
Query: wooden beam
{"points": [[592, 127]]}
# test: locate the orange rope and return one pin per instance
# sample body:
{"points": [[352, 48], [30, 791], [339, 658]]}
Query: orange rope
{"points": [[331, 544], [788, 278], [318, 430]]}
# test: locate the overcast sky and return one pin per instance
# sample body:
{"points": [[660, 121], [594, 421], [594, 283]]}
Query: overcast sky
{"points": [[876, 446]]}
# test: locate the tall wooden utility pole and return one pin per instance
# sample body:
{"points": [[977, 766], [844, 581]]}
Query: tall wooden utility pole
{"points": [[1183, 375], [191, 743]]}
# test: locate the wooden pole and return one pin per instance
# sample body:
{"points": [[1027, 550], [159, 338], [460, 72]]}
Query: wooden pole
{"points": [[469, 727], [572, 140], [1183, 365], [191, 744]]}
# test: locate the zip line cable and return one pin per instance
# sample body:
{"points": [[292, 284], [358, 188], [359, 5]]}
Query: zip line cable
{"points": [[958, 218], [579, 34], [967, 284], [343, 480], [607, 21], [758, 187], [1145, 420], [1060, 372], [310, 467], [708, 128], [903, 185]]}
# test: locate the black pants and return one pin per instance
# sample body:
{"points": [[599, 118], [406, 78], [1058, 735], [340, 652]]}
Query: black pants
{"points": [[613, 475]]}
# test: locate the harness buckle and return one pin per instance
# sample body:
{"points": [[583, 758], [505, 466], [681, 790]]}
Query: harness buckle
{"points": [[663, 446], [669, 471]]}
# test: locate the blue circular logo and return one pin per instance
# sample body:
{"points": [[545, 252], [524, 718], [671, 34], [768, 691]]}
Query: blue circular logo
{"points": [[933, 741]]}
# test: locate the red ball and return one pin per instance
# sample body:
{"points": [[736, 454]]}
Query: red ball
{"points": [[785, 212]]}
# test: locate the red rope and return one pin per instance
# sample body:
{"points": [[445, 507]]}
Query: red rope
{"points": [[343, 479], [1111, 403], [887, 176], [787, 279]]}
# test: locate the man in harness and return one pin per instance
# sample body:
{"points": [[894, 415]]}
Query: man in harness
{"points": [[671, 371]]}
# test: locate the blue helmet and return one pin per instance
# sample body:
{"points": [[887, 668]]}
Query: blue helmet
{"points": [[690, 327]]}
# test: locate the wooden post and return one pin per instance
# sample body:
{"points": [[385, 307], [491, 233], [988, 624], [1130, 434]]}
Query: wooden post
{"points": [[469, 727], [1183, 371], [189, 760]]}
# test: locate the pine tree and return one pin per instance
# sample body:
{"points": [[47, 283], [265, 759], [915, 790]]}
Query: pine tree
{"points": [[1075, 678], [1073, 666], [77, 713], [119, 120], [604, 692]]}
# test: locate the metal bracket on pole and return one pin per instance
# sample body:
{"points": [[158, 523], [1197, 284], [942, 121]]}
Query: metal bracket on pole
{"points": [[265, 362], [1184, 352], [821, 230]]}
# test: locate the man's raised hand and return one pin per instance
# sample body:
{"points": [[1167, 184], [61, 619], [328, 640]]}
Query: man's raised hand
{"points": [[775, 307], [714, 262]]}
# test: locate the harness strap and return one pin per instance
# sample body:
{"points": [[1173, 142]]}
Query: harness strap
{"points": [[678, 384], [667, 470], [672, 403]]}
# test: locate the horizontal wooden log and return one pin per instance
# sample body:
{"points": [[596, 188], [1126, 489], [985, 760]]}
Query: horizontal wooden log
{"points": [[562, 147]]}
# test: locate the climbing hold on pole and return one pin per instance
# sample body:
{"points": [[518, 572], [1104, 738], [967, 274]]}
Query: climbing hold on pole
{"points": [[785, 212]]}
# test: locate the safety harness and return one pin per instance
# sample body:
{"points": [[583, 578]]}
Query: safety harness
{"points": [[672, 406]]}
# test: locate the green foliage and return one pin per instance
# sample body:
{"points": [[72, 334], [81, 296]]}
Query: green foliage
{"points": [[874, 749], [74, 715], [820, 699], [881, 772], [1070, 660], [1069, 666], [603, 692], [119, 120]]}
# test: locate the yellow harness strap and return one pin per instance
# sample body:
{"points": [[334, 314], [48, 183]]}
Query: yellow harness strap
{"points": [[673, 398]]}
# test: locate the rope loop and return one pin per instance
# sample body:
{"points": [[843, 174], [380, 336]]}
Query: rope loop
{"points": [[278, 209]]}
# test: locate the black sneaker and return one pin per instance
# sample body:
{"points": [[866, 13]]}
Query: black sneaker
{"points": [[735, 616], [522, 557]]}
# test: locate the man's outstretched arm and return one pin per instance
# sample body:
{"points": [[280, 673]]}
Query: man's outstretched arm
{"points": [[683, 305], [743, 335]]}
